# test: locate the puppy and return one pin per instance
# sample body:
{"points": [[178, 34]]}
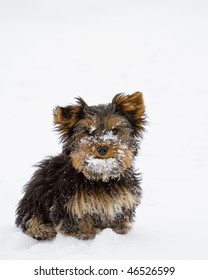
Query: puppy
{"points": [[91, 185]]}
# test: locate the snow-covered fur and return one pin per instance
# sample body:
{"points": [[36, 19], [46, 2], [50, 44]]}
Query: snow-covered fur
{"points": [[91, 185]]}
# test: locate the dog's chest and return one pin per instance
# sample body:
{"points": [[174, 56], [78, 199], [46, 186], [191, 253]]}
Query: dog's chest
{"points": [[100, 203]]}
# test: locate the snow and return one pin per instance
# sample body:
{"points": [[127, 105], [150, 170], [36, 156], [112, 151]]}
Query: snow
{"points": [[107, 137], [54, 51], [97, 166]]}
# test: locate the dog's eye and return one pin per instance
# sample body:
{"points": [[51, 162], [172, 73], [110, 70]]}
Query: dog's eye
{"points": [[114, 131], [90, 132]]}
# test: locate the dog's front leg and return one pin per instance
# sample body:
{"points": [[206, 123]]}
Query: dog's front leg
{"points": [[79, 228], [122, 225]]}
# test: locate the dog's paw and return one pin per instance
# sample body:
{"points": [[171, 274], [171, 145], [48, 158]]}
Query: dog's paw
{"points": [[123, 230], [39, 231], [84, 236]]}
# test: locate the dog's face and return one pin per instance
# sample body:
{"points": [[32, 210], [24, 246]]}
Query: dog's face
{"points": [[102, 140]]}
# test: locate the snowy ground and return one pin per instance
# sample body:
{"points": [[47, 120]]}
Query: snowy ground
{"points": [[53, 51]]}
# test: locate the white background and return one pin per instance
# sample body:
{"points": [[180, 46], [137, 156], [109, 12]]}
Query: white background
{"points": [[51, 52]]}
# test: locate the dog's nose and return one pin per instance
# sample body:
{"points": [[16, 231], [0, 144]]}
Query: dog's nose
{"points": [[102, 150]]}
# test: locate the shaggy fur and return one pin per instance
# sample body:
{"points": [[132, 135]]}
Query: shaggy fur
{"points": [[92, 184]]}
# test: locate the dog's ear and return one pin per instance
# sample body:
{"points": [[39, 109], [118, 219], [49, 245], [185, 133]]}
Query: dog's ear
{"points": [[66, 117], [132, 106]]}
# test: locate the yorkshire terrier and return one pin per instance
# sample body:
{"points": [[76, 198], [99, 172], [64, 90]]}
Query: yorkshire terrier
{"points": [[92, 184]]}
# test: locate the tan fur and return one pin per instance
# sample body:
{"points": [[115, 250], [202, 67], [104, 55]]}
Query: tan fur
{"points": [[126, 227], [38, 230], [67, 122], [116, 121], [132, 104], [101, 204]]}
